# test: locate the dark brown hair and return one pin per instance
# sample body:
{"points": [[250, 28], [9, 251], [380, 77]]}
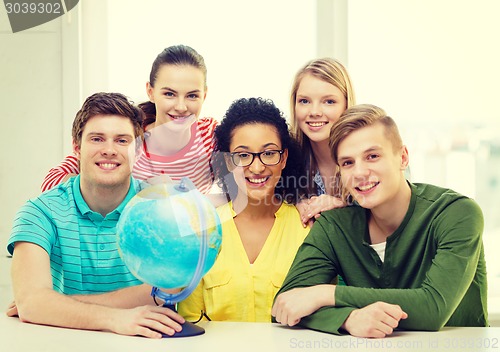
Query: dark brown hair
{"points": [[107, 104]]}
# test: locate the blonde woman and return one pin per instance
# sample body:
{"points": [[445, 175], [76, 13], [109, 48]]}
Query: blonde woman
{"points": [[321, 92]]}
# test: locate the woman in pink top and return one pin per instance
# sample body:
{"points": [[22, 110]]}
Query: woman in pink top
{"points": [[177, 142]]}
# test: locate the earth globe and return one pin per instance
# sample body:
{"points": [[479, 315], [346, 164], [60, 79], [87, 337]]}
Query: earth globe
{"points": [[169, 236]]}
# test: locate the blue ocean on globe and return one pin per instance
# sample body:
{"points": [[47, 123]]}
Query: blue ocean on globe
{"points": [[160, 234]]}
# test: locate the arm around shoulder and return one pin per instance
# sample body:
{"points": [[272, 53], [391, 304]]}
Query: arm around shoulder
{"points": [[67, 168]]}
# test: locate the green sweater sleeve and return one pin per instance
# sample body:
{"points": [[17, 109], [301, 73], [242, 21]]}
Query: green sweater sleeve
{"points": [[314, 265], [457, 232], [327, 319]]}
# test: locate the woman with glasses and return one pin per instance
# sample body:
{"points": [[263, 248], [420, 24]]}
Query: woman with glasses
{"points": [[258, 166]]}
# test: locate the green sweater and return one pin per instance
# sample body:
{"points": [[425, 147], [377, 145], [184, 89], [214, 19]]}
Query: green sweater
{"points": [[434, 265]]}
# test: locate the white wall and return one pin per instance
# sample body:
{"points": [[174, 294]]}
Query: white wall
{"points": [[250, 48], [30, 113], [434, 67], [427, 60], [428, 63]]}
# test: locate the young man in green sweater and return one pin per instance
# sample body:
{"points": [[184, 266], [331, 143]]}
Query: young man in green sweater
{"points": [[411, 254]]}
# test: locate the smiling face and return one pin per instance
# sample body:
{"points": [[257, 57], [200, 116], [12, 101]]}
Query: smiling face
{"points": [[178, 94], [106, 151], [256, 180], [318, 105], [371, 167]]}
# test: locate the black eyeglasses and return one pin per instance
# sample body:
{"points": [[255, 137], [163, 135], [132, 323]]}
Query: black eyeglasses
{"points": [[267, 157]]}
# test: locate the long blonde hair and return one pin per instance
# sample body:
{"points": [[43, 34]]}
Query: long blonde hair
{"points": [[328, 70]]}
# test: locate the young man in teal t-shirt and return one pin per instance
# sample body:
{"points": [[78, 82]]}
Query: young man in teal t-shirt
{"points": [[66, 269]]}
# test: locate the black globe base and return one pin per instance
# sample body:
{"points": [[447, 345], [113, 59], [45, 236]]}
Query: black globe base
{"points": [[188, 329]]}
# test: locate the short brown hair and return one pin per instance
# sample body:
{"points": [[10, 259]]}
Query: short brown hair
{"points": [[107, 104], [359, 116]]}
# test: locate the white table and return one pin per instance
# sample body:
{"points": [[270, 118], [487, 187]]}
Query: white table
{"points": [[255, 337]]}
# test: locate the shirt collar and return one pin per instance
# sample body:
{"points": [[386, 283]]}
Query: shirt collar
{"points": [[83, 206]]}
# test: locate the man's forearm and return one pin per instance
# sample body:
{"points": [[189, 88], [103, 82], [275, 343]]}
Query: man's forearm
{"points": [[51, 308], [128, 297]]}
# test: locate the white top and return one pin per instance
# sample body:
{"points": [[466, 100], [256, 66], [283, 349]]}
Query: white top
{"points": [[380, 249]]}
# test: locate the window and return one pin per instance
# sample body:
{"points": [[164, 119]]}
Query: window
{"points": [[430, 71]]}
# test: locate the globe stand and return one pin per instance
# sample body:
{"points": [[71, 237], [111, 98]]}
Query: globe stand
{"points": [[188, 328]]}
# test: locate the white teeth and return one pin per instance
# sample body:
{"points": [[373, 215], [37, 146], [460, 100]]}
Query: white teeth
{"points": [[366, 187], [257, 180], [107, 166], [181, 117], [316, 124]]}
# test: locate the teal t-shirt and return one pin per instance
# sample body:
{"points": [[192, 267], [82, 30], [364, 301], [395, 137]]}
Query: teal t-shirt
{"points": [[81, 243]]}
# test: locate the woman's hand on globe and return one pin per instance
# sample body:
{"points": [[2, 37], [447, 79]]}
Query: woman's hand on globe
{"points": [[148, 321]]}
